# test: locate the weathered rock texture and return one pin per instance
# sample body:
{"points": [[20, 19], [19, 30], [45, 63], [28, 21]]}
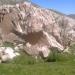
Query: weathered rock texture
{"points": [[38, 29], [2, 2], [7, 54]]}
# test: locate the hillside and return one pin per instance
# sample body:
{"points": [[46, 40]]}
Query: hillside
{"points": [[72, 16], [37, 29], [2, 2], [35, 40]]}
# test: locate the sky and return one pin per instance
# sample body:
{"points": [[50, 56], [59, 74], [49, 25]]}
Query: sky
{"points": [[64, 6]]}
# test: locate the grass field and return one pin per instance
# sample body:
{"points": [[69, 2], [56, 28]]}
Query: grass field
{"points": [[38, 69], [26, 65]]}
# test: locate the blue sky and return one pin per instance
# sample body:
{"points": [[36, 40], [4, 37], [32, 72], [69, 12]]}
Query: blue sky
{"points": [[64, 6]]}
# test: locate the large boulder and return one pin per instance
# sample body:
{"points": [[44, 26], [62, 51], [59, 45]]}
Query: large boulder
{"points": [[7, 54], [38, 29]]}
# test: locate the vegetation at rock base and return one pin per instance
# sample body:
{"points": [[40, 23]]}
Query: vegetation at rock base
{"points": [[8, 44], [64, 64]]}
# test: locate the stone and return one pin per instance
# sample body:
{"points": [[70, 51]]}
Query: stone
{"points": [[37, 29], [7, 54]]}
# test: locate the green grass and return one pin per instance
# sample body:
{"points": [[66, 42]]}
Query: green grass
{"points": [[8, 44], [26, 65], [52, 68]]}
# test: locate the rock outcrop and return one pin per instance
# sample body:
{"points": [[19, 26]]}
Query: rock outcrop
{"points": [[2, 2], [7, 54], [38, 29]]}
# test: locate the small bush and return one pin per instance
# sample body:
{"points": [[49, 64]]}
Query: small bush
{"points": [[31, 62], [56, 56], [72, 49], [8, 44], [53, 57]]}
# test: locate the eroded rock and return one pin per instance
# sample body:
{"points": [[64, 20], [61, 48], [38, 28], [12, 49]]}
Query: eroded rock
{"points": [[38, 29], [7, 54]]}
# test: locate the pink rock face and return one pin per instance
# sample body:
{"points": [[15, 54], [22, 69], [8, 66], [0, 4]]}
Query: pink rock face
{"points": [[37, 26]]}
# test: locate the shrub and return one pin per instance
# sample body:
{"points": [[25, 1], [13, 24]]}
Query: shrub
{"points": [[8, 44], [72, 49], [56, 56]]}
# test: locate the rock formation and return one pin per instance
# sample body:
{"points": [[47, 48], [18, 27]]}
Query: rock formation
{"points": [[38, 29], [7, 54]]}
